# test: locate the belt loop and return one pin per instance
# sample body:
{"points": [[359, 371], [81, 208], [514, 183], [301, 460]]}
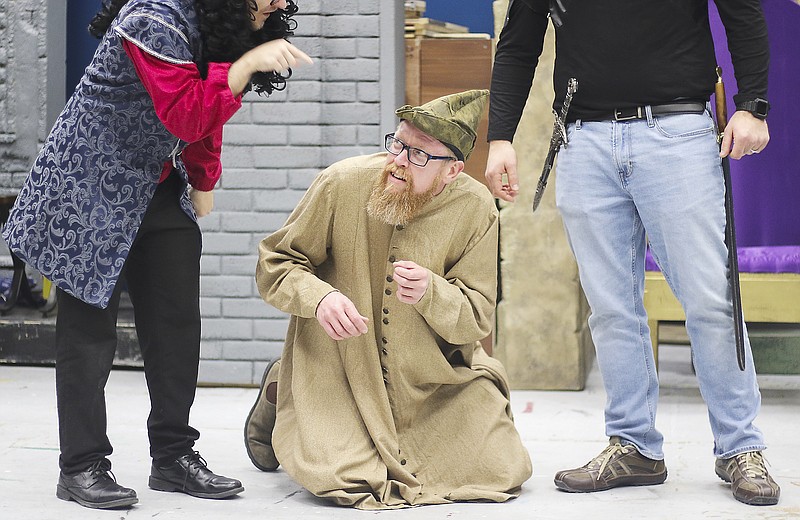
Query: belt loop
{"points": [[648, 110], [577, 124]]}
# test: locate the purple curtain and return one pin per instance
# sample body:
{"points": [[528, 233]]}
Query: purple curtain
{"points": [[766, 187]]}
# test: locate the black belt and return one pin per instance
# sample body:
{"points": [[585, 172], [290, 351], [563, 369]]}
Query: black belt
{"points": [[627, 114]]}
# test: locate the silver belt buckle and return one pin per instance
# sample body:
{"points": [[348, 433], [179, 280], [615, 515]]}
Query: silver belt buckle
{"points": [[619, 117]]}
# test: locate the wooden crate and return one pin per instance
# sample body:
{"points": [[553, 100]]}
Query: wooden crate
{"points": [[436, 67]]}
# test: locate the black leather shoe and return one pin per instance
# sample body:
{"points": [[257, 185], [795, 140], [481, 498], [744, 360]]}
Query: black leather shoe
{"points": [[190, 474], [95, 487]]}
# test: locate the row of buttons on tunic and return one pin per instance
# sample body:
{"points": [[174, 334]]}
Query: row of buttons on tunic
{"points": [[386, 322], [388, 292]]}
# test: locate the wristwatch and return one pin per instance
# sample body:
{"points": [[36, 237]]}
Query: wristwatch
{"points": [[759, 107]]}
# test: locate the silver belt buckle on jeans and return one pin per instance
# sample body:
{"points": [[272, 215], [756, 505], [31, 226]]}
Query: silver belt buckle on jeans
{"points": [[618, 115]]}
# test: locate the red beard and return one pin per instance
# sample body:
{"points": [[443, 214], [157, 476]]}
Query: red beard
{"points": [[398, 207]]}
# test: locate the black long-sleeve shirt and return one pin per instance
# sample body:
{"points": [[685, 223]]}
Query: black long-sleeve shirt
{"points": [[625, 53]]}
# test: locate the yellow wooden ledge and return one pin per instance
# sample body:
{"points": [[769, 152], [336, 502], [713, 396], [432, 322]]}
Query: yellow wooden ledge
{"points": [[766, 298]]}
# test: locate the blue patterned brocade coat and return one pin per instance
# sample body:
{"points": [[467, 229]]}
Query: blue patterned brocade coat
{"points": [[80, 208]]}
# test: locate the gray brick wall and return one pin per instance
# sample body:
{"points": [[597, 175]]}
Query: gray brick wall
{"points": [[23, 94], [273, 148]]}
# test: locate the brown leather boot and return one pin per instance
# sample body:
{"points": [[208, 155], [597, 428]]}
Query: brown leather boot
{"points": [[617, 465], [750, 481], [260, 423]]}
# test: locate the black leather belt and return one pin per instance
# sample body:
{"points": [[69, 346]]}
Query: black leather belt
{"points": [[680, 107]]}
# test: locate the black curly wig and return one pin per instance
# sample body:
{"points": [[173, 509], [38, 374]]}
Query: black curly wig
{"points": [[225, 26], [102, 20]]}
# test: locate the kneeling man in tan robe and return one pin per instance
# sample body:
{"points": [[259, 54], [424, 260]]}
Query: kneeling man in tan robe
{"points": [[388, 268]]}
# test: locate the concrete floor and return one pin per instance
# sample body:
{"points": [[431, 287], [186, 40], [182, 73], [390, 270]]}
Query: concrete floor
{"points": [[561, 429]]}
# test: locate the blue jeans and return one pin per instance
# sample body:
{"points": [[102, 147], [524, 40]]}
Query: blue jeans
{"points": [[660, 178]]}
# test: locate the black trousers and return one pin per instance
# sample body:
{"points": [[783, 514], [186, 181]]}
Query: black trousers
{"points": [[163, 279]]}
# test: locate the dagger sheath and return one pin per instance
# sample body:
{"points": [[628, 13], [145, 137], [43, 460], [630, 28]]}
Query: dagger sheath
{"points": [[558, 138]]}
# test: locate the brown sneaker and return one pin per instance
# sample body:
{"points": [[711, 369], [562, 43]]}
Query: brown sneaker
{"points": [[260, 423], [617, 465], [750, 481]]}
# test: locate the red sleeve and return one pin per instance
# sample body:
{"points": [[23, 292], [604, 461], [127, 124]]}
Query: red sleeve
{"points": [[190, 107], [202, 161]]}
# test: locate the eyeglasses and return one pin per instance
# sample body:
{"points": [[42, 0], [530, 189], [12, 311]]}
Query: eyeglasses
{"points": [[415, 156]]}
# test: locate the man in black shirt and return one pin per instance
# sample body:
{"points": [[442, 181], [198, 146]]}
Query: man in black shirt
{"points": [[643, 161]]}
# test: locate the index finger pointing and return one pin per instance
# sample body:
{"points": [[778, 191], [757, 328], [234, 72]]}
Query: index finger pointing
{"points": [[300, 55]]}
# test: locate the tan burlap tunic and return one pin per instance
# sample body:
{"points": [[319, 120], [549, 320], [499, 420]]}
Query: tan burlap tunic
{"points": [[413, 412]]}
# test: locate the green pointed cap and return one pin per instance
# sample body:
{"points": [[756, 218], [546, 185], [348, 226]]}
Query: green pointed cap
{"points": [[452, 119]]}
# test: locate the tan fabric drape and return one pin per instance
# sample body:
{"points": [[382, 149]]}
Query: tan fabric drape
{"points": [[413, 412]]}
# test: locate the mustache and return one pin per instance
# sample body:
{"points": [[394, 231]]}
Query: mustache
{"points": [[397, 171]]}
